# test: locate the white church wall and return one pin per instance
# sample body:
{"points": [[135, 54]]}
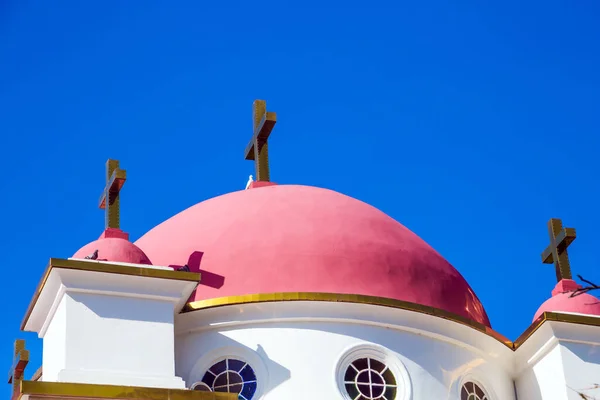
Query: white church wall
{"points": [[581, 362], [118, 334], [103, 328], [111, 340], [545, 379], [580, 350], [54, 349], [558, 361], [298, 348]]}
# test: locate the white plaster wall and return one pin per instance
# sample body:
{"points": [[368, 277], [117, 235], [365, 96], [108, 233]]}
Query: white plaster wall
{"points": [[545, 379], [124, 328], [564, 370], [581, 363], [112, 340], [105, 328], [96, 338], [298, 358], [557, 361], [54, 348]]}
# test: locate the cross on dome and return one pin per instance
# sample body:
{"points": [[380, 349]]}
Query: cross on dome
{"points": [[556, 252], [109, 200], [20, 361], [258, 150]]}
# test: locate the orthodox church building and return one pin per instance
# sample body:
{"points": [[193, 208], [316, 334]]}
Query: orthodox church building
{"points": [[284, 292]]}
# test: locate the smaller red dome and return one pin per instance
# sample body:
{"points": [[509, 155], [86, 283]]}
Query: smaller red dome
{"points": [[114, 249], [561, 301]]}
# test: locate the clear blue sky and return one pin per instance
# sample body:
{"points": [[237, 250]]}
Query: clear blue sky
{"points": [[470, 124]]}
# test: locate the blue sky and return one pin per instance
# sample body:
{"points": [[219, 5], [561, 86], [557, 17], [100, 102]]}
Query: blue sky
{"points": [[471, 124]]}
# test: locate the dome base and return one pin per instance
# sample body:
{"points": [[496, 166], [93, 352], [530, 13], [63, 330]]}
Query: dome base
{"points": [[114, 233]]}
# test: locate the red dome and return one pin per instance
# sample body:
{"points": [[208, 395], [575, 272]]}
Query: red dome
{"points": [[114, 249], [561, 301], [304, 239]]}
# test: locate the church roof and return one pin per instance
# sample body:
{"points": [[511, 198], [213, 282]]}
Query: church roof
{"points": [[291, 238]]}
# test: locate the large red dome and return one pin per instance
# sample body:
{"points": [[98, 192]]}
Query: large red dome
{"points": [[288, 238]]}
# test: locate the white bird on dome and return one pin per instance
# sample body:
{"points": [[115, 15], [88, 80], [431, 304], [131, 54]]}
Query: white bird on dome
{"points": [[250, 180]]}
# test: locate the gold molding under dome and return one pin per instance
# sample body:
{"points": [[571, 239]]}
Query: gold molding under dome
{"points": [[385, 302]]}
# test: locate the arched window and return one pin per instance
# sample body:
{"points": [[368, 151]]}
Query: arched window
{"points": [[472, 391], [201, 387], [230, 376], [369, 379]]}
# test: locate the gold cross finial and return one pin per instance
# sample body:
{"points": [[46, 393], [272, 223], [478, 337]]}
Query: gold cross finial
{"points": [[556, 252], [20, 361], [109, 200], [257, 149]]}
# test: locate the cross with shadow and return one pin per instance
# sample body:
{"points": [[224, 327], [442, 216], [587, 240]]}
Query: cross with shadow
{"points": [[207, 278]]}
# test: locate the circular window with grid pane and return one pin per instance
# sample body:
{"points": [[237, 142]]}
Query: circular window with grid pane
{"points": [[230, 376], [472, 391], [369, 379]]}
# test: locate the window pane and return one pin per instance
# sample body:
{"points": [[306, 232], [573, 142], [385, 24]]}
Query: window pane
{"points": [[350, 374], [351, 390], [377, 366], [376, 379], [365, 390], [248, 390], [208, 379], [390, 393], [247, 374], [220, 381], [363, 377], [479, 392], [202, 388], [377, 390], [361, 364], [219, 367], [236, 365], [463, 393], [235, 388], [234, 378], [389, 378]]}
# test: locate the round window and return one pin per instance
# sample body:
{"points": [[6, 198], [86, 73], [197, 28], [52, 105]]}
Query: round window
{"points": [[230, 376], [472, 391], [369, 379]]}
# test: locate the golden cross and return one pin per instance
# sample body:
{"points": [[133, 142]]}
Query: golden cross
{"points": [[556, 252], [20, 361], [257, 149], [109, 201]]}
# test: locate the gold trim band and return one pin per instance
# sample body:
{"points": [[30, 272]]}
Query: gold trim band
{"points": [[88, 391], [344, 298], [556, 317], [108, 268], [386, 302]]}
